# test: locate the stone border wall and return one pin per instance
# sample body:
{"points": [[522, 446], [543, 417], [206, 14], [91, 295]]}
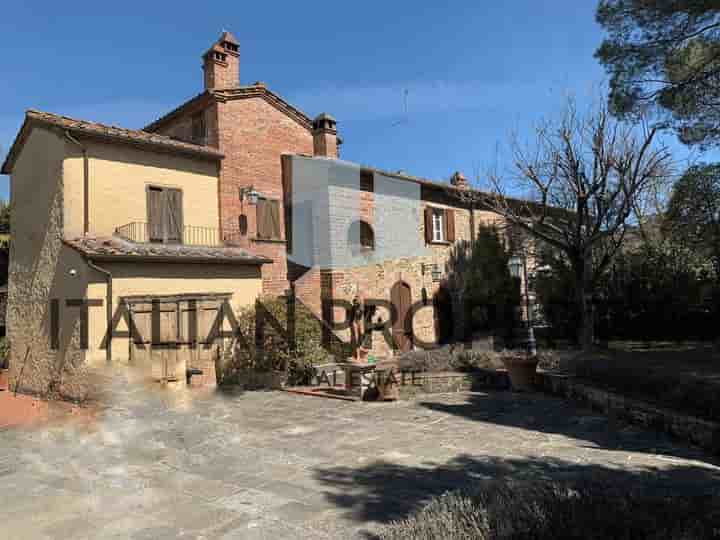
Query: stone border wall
{"points": [[703, 433]]}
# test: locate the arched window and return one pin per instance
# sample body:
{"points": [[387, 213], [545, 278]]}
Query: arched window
{"points": [[361, 236]]}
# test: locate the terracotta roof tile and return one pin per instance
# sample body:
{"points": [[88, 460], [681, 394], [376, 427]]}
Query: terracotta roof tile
{"points": [[113, 248], [104, 131]]}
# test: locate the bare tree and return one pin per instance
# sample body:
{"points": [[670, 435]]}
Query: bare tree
{"points": [[576, 189]]}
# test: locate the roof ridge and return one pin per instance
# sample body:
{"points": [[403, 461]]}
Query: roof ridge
{"points": [[238, 92]]}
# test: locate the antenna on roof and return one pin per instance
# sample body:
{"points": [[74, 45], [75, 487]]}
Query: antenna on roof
{"points": [[404, 118]]}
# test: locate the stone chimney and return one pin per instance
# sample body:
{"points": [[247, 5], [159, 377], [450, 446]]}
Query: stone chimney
{"points": [[458, 180], [325, 139], [221, 64]]}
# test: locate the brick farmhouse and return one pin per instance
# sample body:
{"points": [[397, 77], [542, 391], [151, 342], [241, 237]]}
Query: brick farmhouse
{"points": [[237, 179]]}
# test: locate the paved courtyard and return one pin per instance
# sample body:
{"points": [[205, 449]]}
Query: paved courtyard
{"points": [[162, 464]]}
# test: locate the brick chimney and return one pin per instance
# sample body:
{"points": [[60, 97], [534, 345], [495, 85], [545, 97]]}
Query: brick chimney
{"points": [[325, 139], [458, 180], [221, 64]]}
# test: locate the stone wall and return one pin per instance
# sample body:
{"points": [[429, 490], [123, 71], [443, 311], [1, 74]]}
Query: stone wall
{"points": [[697, 431]]}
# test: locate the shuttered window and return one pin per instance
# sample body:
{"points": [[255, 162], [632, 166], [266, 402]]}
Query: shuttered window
{"points": [[439, 225], [165, 215], [268, 219]]}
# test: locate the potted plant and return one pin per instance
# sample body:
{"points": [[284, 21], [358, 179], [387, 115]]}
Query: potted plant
{"points": [[521, 368], [4, 366]]}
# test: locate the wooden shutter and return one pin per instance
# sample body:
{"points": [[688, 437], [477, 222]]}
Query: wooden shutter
{"points": [[428, 225], [268, 218], [260, 218], [274, 218], [155, 214], [450, 225], [173, 215]]}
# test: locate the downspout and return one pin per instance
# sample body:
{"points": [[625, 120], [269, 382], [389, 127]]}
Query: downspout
{"points": [[86, 182], [108, 308]]}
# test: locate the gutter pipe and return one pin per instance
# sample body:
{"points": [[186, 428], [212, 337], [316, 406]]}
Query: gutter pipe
{"points": [[86, 181]]}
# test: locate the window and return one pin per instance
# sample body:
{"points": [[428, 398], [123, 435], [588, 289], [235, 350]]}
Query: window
{"points": [[438, 228], [268, 219], [165, 215], [367, 236], [367, 181], [439, 225], [198, 128], [220, 56], [230, 46], [361, 237]]}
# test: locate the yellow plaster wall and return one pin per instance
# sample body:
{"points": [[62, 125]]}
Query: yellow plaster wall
{"points": [[119, 177], [243, 282]]}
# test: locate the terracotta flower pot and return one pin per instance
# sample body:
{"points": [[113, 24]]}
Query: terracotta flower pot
{"points": [[4, 379], [521, 370]]}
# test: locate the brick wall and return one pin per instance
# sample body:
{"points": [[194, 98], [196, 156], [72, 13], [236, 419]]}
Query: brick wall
{"points": [[253, 135]]}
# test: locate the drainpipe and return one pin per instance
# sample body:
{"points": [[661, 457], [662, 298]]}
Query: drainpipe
{"points": [[108, 307], [86, 182]]}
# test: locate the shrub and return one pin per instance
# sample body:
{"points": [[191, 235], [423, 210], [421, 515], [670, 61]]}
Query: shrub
{"points": [[444, 359], [522, 510], [480, 268], [273, 352]]}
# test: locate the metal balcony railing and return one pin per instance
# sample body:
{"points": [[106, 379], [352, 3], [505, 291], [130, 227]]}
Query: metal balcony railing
{"points": [[143, 233]]}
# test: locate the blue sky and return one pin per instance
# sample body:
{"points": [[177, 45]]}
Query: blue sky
{"points": [[473, 71]]}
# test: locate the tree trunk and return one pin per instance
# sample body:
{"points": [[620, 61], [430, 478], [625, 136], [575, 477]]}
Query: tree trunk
{"points": [[585, 330]]}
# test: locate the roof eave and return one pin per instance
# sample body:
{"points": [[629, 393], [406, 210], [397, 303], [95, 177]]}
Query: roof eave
{"points": [[229, 94], [180, 259], [17, 144], [30, 122]]}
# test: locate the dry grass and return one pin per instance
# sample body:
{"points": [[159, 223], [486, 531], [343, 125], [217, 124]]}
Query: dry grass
{"points": [[680, 376], [515, 510]]}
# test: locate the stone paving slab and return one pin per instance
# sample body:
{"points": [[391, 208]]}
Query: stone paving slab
{"points": [[160, 463]]}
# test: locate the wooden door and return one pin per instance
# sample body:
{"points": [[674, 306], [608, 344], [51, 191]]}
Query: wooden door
{"points": [[401, 298]]}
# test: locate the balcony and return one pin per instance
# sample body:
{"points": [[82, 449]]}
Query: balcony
{"points": [[143, 233]]}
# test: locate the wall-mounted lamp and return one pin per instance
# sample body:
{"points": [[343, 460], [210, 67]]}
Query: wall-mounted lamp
{"points": [[249, 193]]}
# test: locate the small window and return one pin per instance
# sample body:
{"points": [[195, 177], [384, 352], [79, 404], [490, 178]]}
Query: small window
{"points": [[220, 56], [367, 181], [198, 128], [268, 219], [367, 236], [438, 225], [230, 46], [361, 237]]}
